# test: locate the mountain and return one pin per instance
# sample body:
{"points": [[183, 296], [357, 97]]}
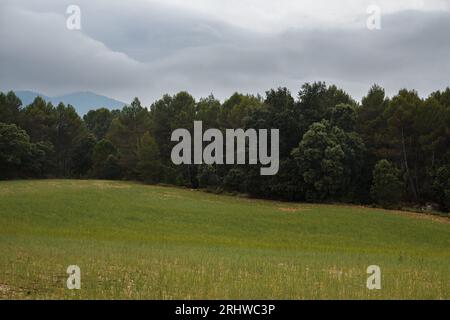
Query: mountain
{"points": [[81, 101], [27, 97]]}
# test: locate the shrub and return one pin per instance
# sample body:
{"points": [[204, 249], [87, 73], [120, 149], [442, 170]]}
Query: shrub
{"points": [[387, 188]]}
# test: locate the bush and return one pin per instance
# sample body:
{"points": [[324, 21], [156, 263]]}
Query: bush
{"points": [[441, 187], [111, 169], [19, 157], [234, 180], [207, 176], [387, 189], [105, 160]]}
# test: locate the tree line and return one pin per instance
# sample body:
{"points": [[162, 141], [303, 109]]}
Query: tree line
{"points": [[387, 151]]}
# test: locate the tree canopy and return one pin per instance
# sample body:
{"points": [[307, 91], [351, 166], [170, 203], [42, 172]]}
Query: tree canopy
{"points": [[386, 151]]}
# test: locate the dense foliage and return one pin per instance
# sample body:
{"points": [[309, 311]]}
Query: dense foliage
{"points": [[332, 148]]}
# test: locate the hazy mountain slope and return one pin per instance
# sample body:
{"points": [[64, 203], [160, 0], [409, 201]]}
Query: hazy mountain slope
{"points": [[81, 101]]}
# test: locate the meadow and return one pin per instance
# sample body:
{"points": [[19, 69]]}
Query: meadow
{"points": [[134, 241]]}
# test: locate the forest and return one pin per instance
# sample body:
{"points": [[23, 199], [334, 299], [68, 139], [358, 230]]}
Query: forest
{"points": [[386, 151]]}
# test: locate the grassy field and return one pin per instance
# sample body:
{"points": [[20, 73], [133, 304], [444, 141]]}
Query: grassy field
{"points": [[133, 241]]}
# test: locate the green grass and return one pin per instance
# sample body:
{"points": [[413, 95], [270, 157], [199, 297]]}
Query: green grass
{"points": [[133, 241]]}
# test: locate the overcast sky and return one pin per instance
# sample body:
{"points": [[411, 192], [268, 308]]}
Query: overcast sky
{"points": [[146, 48]]}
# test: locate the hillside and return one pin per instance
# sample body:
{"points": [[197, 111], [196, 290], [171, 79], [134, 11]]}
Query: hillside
{"points": [[138, 241], [81, 101]]}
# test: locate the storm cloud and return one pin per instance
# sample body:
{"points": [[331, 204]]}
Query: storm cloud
{"points": [[148, 48]]}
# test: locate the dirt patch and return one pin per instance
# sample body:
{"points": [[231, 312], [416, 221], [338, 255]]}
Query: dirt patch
{"points": [[4, 288], [170, 195], [110, 185], [291, 209], [422, 216], [212, 201]]}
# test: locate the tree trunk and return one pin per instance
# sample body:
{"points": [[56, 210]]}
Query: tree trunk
{"points": [[408, 173]]}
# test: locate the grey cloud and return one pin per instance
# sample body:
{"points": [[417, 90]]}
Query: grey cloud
{"points": [[125, 51]]}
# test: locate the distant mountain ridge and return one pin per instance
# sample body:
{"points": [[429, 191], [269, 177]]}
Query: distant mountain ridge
{"points": [[81, 101]]}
